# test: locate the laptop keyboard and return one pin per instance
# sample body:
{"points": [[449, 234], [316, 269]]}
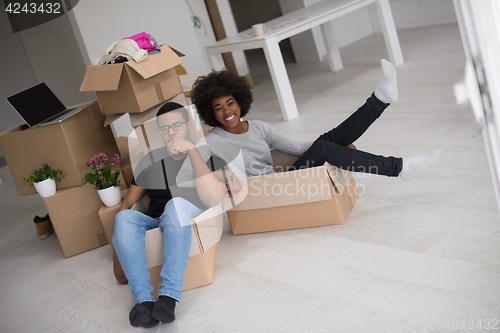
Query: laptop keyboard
{"points": [[58, 115]]}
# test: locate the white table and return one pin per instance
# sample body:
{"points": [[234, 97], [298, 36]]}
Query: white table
{"points": [[321, 14]]}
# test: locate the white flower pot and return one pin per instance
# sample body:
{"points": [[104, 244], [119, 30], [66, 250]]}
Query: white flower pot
{"points": [[110, 196], [46, 188]]}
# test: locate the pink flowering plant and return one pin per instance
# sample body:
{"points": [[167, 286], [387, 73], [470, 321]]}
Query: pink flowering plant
{"points": [[102, 176]]}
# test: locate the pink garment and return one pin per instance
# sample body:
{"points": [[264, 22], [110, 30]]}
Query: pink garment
{"points": [[143, 40]]}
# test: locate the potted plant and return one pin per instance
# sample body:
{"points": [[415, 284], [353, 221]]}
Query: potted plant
{"points": [[44, 180], [104, 179]]}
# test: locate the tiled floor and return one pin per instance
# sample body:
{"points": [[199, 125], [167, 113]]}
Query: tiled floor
{"points": [[418, 256]]}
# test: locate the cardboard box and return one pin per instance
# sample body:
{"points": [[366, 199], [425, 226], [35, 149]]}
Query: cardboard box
{"points": [[312, 197], [132, 87], [74, 213], [206, 233], [128, 173], [66, 146]]}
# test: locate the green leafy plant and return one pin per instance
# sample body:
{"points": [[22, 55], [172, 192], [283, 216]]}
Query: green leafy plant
{"points": [[44, 173], [102, 177]]}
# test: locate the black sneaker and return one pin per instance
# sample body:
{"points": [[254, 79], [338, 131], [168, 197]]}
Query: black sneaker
{"points": [[164, 309], [140, 315]]}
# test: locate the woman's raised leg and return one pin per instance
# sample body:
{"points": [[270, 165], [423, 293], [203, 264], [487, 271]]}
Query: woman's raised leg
{"points": [[357, 123]]}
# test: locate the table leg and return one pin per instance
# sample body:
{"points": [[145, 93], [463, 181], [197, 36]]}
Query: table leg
{"points": [[389, 30], [280, 79], [216, 61], [332, 49]]}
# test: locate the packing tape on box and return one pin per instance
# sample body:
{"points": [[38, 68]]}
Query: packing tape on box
{"points": [[145, 135], [159, 92]]}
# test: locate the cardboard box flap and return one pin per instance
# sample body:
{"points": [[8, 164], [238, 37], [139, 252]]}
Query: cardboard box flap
{"points": [[339, 177], [188, 80], [282, 161], [207, 228], [154, 246], [111, 117], [209, 225], [284, 189], [137, 119], [156, 63], [179, 53], [102, 78]]}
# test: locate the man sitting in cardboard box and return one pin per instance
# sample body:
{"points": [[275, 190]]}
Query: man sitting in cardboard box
{"points": [[171, 209]]}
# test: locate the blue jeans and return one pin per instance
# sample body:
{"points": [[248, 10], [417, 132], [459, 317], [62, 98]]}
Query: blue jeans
{"points": [[129, 243], [331, 146]]}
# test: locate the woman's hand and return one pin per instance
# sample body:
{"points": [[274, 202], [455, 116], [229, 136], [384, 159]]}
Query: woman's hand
{"points": [[234, 185]]}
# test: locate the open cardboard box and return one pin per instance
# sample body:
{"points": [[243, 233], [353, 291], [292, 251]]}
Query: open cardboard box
{"points": [[206, 233], [74, 213], [132, 87], [66, 146], [312, 197]]}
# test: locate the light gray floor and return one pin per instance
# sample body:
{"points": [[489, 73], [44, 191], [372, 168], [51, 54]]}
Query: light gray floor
{"points": [[412, 256]]}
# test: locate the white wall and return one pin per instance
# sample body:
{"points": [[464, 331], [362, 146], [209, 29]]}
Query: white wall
{"points": [[16, 72], [417, 13], [100, 23], [46, 53]]}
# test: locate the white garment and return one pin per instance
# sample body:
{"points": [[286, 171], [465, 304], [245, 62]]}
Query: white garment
{"points": [[127, 48]]}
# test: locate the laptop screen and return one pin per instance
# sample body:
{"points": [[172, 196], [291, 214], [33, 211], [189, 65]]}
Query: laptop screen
{"points": [[36, 104]]}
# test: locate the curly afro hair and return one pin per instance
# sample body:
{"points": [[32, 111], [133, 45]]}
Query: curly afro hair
{"points": [[218, 84]]}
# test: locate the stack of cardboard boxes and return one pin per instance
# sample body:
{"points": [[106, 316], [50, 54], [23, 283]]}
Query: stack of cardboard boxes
{"points": [[66, 146]]}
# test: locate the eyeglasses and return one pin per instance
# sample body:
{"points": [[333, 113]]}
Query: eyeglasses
{"points": [[175, 126]]}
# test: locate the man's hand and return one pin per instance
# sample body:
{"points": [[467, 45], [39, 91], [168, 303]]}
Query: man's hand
{"points": [[178, 145]]}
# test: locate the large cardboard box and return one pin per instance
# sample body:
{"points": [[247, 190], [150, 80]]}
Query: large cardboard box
{"points": [[206, 233], [312, 197], [66, 146], [132, 87], [74, 213]]}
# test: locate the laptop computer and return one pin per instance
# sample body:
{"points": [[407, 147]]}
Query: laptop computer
{"points": [[39, 106]]}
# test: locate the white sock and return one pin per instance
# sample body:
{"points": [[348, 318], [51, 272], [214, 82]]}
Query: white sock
{"points": [[415, 164], [387, 89]]}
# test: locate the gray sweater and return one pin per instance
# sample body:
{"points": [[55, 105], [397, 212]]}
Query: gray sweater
{"points": [[247, 154]]}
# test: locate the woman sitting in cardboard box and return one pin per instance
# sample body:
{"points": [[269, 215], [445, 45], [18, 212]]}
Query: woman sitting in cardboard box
{"points": [[221, 98]]}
